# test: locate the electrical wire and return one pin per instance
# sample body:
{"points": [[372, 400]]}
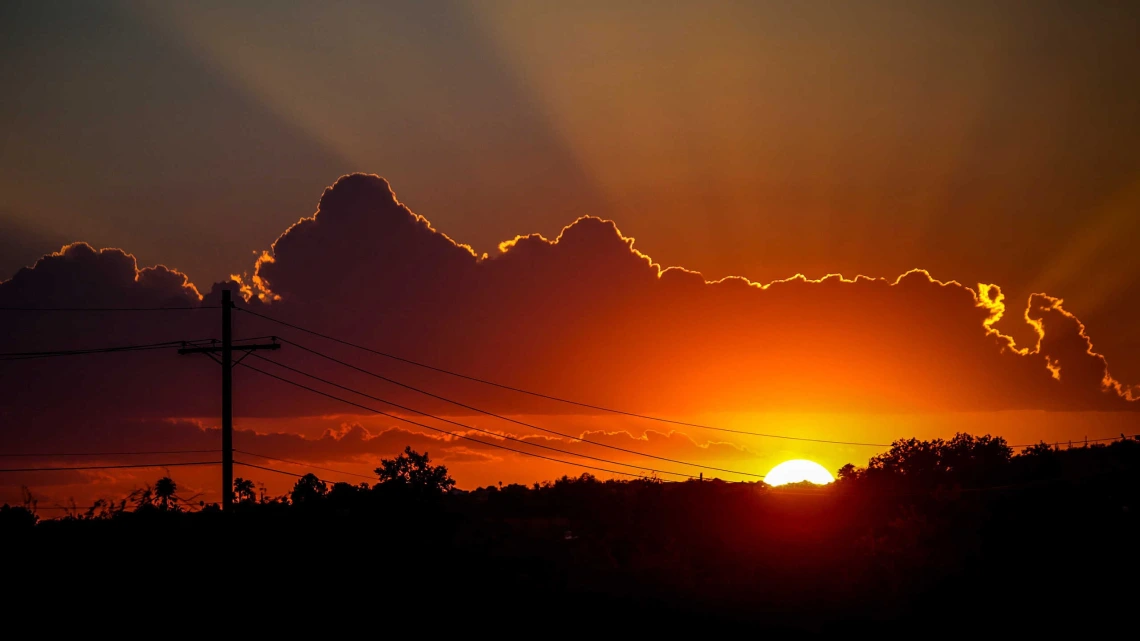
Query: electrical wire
{"points": [[66, 454], [252, 338], [506, 418], [16, 356], [569, 401], [169, 344], [79, 510], [270, 469], [555, 398], [443, 431], [107, 467], [107, 309], [315, 467], [1074, 444], [489, 432]]}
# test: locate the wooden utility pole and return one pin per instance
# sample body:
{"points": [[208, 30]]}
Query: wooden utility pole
{"points": [[227, 351]]}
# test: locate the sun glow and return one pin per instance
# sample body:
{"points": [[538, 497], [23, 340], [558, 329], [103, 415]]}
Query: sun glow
{"points": [[798, 470]]}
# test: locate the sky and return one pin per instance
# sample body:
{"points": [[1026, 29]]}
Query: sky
{"points": [[983, 143]]}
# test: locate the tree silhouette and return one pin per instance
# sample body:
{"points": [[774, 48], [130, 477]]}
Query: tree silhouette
{"points": [[244, 490], [414, 471], [308, 490], [164, 489], [142, 498], [16, 518], [964, 459]]}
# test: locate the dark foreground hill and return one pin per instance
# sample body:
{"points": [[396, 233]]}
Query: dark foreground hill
{"points": [[930, 539]]}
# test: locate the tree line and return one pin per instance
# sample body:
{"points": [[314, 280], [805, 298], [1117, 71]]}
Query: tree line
{"points": [[925, 526]]}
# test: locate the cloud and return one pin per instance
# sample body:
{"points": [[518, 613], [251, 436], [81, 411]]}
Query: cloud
{"points": [[79, 274], [589, 316], [585, 315], [453, 455], [348, 442], [136, 384]]}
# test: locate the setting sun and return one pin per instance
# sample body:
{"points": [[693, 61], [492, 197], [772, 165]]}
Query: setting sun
{"points": [[798, 470]]}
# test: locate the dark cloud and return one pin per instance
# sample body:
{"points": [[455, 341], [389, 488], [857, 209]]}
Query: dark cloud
{"points": [[585, 316], [79, 275], [588, 315], [132, 384], [352, 451]]}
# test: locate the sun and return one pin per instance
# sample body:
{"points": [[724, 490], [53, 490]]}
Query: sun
{"points": [[798, 470]]}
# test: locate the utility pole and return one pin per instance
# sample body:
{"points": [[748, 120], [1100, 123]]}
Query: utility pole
{"points": [[227, 363]]}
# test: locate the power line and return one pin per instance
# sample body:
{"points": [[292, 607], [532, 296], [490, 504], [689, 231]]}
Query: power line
{"points": [[270, 469], [65, 507], [555, 398], [443, 431], [235, 341], [251, 338], [107, 309], [1080, 442], [106, 467], [563, 400], [93, 350], [223, 355], [315, 467], [469, 427], [16, 356], [107, 504], [507, 418], [66, 454], [102, 351]]}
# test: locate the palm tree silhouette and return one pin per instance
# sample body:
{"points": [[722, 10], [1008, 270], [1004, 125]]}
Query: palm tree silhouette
{"points": [[164, 490], [243, 489]]}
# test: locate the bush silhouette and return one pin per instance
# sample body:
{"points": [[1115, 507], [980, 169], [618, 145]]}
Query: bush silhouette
{"points": [[414, 472]]}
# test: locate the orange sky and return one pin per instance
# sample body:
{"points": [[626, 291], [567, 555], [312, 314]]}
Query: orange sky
{"points": [[984, 143], [584, 316]]}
